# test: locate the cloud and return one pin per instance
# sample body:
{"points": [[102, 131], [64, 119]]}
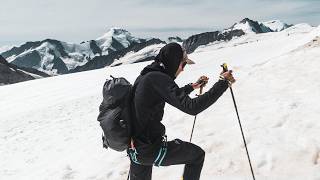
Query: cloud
{"points": [[77, 20]]}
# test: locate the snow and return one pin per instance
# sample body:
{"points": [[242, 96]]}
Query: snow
{"points": [[243, 26], [122, 36], [49, 128], [78, 54], [275, 25], [132, 57]]}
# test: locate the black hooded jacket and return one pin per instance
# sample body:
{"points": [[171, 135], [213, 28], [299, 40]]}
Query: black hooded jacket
{"points": [[156, 85]]}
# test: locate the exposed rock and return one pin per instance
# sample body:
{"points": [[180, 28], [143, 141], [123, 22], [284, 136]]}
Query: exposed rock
{"points": [[10, 75], [197, 40]]}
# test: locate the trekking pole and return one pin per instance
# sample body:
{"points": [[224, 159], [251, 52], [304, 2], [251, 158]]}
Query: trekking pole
{"points": [[194, 122], [195, 117], [128, 175], [225, 69]]}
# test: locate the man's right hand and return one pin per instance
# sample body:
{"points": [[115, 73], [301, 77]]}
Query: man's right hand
{"points": [[228, 76], [202, 81]]}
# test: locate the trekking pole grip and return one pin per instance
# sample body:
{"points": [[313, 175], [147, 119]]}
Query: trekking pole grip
{"points": [[224, 67]]}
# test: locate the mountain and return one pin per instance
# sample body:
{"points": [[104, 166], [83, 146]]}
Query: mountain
{"points": [[111, 59], [49, 129], [58, 57], [193, 42], [115, 39], [50, 56], [245, 26], [10, 73], [249, 26], [176, 39]]}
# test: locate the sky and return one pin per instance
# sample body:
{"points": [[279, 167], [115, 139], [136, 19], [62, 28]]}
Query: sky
{"points": [[82, 20]]}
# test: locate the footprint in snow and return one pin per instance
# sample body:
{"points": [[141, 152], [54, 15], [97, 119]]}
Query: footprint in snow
{"points": [[69, 173]]}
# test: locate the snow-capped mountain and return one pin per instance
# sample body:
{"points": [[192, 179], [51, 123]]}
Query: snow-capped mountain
{"points": [[58, 57], [115, 39], [245, 26], [50, 56], [49, 132], [140, 51], [193, 42], [249, 26]]}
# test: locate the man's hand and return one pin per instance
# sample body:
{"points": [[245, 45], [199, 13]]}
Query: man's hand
{"points": [[202, 81], [228, 76]]}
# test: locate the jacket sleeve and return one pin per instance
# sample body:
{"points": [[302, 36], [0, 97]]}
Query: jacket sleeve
{"points": [[167, 89], [187, 88]]}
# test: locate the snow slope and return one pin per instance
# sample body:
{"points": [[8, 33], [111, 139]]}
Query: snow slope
{"points": [[276, 25], [49, 128], [132, 57]]}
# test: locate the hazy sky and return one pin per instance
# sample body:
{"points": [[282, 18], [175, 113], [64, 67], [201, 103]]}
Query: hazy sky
{"points": [[78, 20]]}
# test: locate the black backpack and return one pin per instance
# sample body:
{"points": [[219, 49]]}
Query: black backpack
{"points": [[116, 113]]}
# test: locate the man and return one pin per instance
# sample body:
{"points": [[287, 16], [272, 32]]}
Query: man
{"points": [[154, 87]]}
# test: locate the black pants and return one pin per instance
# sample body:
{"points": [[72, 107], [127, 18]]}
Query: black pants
{"points": [[178, 152]]}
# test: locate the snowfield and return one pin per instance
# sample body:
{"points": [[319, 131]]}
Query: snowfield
{"points": [[49, 129]]}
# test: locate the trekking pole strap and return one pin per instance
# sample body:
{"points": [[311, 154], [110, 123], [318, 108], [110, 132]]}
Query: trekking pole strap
{"points": [[133, 152], [162, 152]]}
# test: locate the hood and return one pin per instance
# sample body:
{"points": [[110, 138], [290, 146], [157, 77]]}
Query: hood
{"points": [[167, 61], [155, 66]]}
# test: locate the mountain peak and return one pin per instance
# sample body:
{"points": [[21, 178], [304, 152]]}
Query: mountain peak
{"points": [[118, 31], [115, 36], [114, 31], [246, 20], [250, 26]]}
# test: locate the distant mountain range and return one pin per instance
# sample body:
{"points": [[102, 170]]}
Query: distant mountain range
{"points": [[58, 57], [117, 47]]}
